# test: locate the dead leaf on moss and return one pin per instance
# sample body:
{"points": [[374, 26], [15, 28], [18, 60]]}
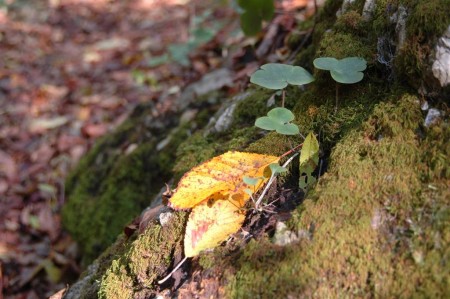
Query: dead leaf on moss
{"points": [[211, 224], [221, 178]]}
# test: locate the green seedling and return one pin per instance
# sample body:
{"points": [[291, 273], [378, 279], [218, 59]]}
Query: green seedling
{"points": [[278, 119], [199, 34], [253, 12], [346, 71], [309, 159], [278, 76], [276, 168]]}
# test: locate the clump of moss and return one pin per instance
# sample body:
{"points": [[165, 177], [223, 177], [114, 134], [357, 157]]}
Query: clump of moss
{"points": [[428, 21], [377, 227], [109, 187], [117, 284], [253, 106], [195, 150], [351, 22], [340, 45], [122, 195], [146, 259]]}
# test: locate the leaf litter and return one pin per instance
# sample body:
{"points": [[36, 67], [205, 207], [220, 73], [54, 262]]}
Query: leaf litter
{"points": [[66, 80]]}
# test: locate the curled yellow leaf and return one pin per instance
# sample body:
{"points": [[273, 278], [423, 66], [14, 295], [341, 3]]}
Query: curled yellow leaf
{"points": [[221, 178], [210, 224]]}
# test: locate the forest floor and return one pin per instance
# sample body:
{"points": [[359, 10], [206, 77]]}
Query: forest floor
{"points": [[70, 72]]}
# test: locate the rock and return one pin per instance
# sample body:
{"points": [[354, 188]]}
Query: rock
{"points": [[223, 118], [283, 236], [441, 66], [399, 18], [368, 9], [432, 117], [213, 81], [345, 5]]}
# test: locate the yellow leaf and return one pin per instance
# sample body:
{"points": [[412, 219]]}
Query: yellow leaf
{"points": [[210, 224], [221, 178]]}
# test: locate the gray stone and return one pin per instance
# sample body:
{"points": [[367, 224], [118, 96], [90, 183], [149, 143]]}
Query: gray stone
{"points": [[441, 66], [432, 117], [368, 9]]}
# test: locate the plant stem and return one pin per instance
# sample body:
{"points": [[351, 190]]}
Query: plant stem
{"points": [[283, 95], [291, 150], [271, 180], [337, 98]]}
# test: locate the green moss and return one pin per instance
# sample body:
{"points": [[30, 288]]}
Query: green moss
{"points": [[351, 22], [117, 284], [131, 180], [427, 22], [110, 187], [154, 251], [146, 259], [429, 18], [273, 144], [341, 45], [373, 220], [253, 106], [192, 152]]}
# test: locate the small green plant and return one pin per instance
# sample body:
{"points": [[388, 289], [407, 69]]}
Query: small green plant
{"points": [[278, 119], [346, 71], [199, 34], [309, 160], [253, 12], [278, 76]]}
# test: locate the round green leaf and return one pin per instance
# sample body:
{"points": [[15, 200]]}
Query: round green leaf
{"points": [[281, 115], [347, 77], [355, 64], [277, 76], [347, 70], [288, 129], [275, 168], [266, 123], [250, 181], [325, 63]]}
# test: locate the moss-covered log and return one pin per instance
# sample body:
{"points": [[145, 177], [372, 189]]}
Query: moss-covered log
{"points": [[375, 225]]}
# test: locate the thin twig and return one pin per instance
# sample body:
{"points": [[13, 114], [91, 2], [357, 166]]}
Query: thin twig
{"points": [[173, 271], [271, 180]]}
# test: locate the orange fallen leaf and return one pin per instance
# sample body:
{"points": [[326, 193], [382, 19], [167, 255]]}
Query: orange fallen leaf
{"points": [[221, 178], [211, 224]]}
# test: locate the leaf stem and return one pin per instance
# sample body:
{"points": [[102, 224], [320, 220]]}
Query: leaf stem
{"points": [[337, 98], [271, 180], [283, 96], [291, 150]]}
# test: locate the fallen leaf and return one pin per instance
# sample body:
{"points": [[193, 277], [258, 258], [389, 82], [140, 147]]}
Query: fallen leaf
{"points": [[7, 166], [94, 130], [111, 44], [211, 224], [59, 294], [40, 125], [220, 178]]}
